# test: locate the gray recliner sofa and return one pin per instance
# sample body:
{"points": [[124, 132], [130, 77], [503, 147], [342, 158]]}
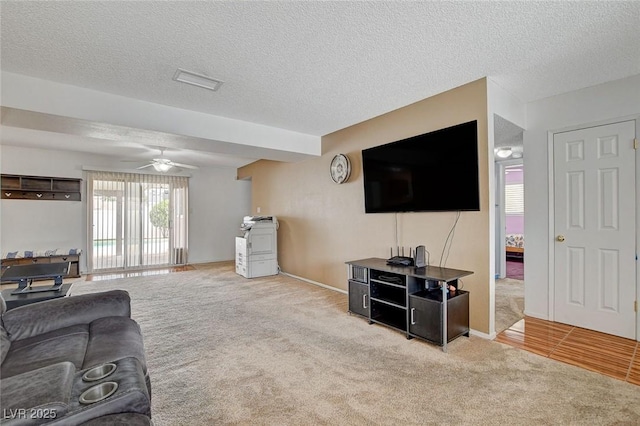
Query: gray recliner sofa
{"points": [[46, 349]]}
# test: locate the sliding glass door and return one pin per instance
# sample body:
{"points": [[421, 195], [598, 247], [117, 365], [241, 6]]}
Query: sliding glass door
{"points": [[136, 220]]}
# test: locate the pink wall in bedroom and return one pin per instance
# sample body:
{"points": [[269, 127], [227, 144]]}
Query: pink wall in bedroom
{"points": [[514, 223], [514, 176]]}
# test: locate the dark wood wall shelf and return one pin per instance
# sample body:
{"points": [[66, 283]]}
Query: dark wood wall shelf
{"points": [[20, 187]]}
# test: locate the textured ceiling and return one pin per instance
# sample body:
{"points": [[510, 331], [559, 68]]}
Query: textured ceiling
{"points": [[506, 134], [317, 67]]}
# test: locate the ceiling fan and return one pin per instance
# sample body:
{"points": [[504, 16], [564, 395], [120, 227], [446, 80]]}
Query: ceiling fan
{"points": [[163, 164]]}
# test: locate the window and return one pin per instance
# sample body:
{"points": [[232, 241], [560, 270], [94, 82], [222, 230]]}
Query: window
{"points": [[136, 220], [514, 198]]}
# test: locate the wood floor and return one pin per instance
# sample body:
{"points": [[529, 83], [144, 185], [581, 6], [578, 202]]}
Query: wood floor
{"points": [[603, 353], [110, 275], [139, 273]]}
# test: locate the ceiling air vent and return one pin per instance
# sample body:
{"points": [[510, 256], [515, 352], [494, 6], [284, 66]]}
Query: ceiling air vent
{"points": [[196, 79]]}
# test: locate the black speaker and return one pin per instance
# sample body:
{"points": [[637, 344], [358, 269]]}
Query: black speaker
{"points": [[420, 259]]}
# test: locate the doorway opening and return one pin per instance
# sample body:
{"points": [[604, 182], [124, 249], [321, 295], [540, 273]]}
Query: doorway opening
{"points": [[594, 252], [514, 221], [509, 284]]}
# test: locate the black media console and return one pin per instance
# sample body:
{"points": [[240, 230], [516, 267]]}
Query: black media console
{"points": [[410, 299]]}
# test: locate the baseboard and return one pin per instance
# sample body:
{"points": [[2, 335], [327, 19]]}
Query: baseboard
{"points": [[482, 335], [339, 290], [536, 315], [328, 287]]}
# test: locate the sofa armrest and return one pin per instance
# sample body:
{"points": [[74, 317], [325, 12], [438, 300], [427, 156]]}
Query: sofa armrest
{"points": [[42, 317], [45, 390]]}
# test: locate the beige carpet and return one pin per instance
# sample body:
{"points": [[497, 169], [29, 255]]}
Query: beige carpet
{"points": [[222, 349], [509, 303]]}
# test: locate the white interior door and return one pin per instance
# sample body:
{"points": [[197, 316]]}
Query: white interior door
{"points": [[595, 228]]}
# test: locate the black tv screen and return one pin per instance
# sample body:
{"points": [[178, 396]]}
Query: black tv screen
{"points": [[436, 171]]}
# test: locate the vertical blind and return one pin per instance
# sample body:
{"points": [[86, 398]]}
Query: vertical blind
{"points": [[136, 220]]}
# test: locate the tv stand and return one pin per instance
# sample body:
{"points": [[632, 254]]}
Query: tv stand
{"points": [[410, 299]]}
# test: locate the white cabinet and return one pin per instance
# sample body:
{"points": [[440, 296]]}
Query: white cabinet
{"points": [[257, 251]]}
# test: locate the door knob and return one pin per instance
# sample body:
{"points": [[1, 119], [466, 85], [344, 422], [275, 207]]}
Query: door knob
{"points": [[560, 238]]}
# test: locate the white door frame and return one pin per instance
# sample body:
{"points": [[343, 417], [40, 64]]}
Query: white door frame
{"points": [[501, 264], [550, 230]]}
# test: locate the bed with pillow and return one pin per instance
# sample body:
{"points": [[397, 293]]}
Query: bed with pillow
{"points": [[515, 246]]}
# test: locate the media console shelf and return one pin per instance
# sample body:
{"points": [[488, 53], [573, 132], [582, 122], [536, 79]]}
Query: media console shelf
{"points": [[410, 299]]}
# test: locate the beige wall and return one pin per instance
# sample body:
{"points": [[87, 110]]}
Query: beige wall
{"points": [[323, 224]]}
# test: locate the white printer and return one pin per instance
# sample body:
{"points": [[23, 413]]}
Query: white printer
{"points": [[257, 249]]}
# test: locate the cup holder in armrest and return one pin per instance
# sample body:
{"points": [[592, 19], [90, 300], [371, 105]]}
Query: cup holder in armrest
{"points": [[98, 392], [99, 372]]}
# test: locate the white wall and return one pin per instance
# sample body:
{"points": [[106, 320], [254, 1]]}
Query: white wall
{"points": [[507, 106], [217, 204], [617, 99]]}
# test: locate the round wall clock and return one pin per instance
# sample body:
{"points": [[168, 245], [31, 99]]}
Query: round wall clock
{"points": [[340, 168]]}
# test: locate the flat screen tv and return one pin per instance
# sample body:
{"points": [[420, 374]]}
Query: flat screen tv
{"points": [[436, 171]]}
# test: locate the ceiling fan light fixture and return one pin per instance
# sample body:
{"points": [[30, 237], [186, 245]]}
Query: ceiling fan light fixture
{"points": [[517, 151], [504, 152], [195, 79], [162, 167]]}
